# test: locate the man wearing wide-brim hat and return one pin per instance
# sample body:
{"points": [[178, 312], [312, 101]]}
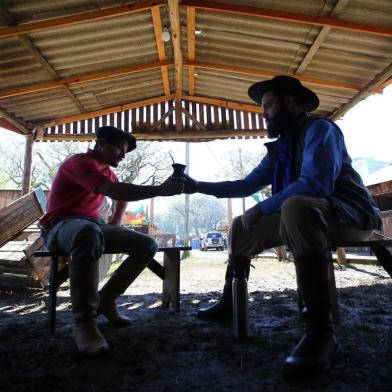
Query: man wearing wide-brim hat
{"points": [[317, 199]]}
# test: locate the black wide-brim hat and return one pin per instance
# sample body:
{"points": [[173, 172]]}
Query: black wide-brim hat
{"points": [[113, 134], [287, 84]]}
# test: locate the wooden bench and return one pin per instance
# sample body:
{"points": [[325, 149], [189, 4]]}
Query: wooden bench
{"points": [[169, 272], [378, 247]]}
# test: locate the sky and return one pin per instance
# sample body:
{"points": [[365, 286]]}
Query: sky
{"points": [[367, 129]]}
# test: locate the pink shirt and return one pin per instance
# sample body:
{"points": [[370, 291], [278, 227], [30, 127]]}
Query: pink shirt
{"points": [[73, 189]]}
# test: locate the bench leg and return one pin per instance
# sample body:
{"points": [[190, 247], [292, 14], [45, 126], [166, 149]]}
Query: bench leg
{"points": [[332, 293], [384, 257], [171, 280], [53, 284]]}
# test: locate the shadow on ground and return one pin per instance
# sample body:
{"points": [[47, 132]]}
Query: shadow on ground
{"points": [[162, 351]]}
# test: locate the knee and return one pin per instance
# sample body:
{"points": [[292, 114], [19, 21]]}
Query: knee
{"points": [[152, 248], [236, 224], [294, 208], [146, 251], [89, 241]]}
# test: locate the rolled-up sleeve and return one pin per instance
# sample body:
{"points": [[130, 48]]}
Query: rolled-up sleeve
{"points": [[321, 165]]}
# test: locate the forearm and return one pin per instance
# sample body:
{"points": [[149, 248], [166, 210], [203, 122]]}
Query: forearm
{"points": [[239, 188], [129, 192], [119, 208]]}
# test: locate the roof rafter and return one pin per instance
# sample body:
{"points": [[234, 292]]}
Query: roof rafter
{"points": [[288, 17], [267, 73], [156, 20], [82, 79], [14, 121], [370, 88], [223, 103], [170, 135], [174, 15], [340, 5], [79, 18], [37, 55], [191, 22]]}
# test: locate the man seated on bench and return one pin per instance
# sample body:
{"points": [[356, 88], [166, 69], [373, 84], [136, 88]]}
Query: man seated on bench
{"points": [[317, 199], [72, 225]]}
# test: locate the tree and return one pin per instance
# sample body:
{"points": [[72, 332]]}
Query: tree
{"points": [[146, 165], [241, 163], [206, 213]]}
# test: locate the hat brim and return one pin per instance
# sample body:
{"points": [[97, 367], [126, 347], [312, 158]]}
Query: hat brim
{"points": [[309, 99]]}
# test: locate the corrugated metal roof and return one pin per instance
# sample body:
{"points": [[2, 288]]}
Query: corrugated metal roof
{"points": [[235, 48]]}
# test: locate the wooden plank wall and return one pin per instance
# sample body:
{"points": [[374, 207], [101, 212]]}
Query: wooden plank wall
{"points": [[7, 196], [148, 118]]}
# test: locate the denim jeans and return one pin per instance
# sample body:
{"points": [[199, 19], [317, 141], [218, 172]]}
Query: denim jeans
{"points": [[87, 239]]}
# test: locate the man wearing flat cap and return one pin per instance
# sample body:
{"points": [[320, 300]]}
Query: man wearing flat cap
{"points": [[317, 199], [72, 224]]}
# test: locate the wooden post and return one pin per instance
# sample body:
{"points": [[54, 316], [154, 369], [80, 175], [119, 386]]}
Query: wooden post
{"points": [[281, 253], [341, 255], [28, 164], [229, 212], [151, 217]]}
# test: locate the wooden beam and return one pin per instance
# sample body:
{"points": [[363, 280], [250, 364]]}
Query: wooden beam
{"points": [[16, 122], [340, 5], [191, 25], [269, 74], [369, 89], [28, 164], [172, 135], [288, 17], [37, 55], [156, 20], [174, 14], [223, 103], [74, 80], [83, 17], [113, 109], [9, 126]]}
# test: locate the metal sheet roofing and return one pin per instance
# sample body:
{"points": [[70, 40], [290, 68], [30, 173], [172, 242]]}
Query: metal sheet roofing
{"points": [[62, 61]]}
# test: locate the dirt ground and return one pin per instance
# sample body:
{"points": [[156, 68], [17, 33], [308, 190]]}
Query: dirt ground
{"points": [[162, 351]]}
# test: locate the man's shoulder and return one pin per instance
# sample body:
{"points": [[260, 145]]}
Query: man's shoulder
{"points": [[79, 158], [321, 122]]}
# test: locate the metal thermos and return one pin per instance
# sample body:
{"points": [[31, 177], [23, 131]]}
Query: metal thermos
{"points": [[178, 169], [240, 304]]}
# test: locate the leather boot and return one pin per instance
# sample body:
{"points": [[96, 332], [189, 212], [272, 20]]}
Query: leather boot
{"points": [[88, 339], [122, 277], [315, 351], [223, 309], [84, 298]]}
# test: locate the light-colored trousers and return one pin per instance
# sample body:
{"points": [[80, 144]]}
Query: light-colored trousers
{"points": [[306, 225]]}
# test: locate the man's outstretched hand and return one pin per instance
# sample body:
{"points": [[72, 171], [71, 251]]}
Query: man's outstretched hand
{"points": [[172, 186], [250, 217], [191, 185]]}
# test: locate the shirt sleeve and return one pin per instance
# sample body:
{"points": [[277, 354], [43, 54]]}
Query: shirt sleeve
{"points": [[321, 165], [86, 173], [262, 174]]}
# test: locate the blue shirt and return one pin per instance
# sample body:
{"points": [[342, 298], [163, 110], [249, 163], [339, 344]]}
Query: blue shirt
{"points": [[322, 159]]}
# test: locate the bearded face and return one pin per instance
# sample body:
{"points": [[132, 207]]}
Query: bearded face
{"points": [[277, 116]]}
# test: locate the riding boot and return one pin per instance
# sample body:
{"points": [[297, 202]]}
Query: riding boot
{"points": [[84, 298], [223, 309], [120, 280], [315, 351]]}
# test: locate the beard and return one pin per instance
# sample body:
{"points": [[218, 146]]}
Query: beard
{"points": [[279, 123], [114, 163]]}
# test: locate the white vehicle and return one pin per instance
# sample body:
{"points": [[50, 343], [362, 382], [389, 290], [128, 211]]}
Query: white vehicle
{"points": [[212, 241]]}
